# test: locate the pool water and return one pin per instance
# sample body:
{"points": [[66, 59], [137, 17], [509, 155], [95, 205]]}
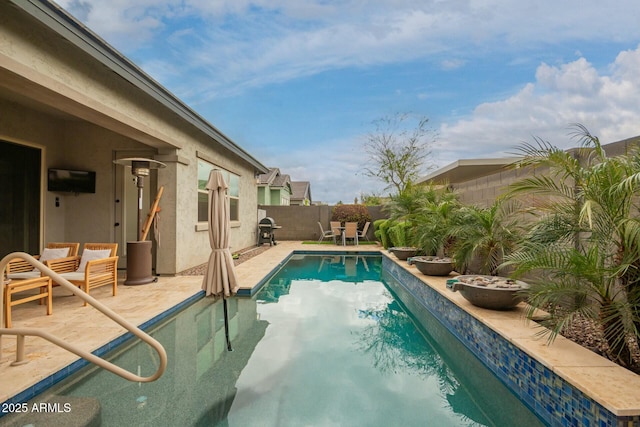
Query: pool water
{"points": [[324, 343]]}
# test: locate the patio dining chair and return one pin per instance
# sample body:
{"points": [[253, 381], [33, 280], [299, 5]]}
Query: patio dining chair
{"points": [[362, 235], [98, 266], [326, 233], [351, 231]]}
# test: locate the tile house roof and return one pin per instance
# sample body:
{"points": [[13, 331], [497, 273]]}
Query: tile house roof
{"points": [[274, 178], [300, 190]]}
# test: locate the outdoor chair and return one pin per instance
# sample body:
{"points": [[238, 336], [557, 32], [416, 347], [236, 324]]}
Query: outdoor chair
{"points": [[324, 234], [19, 269], [13, 287], [362, 235], [98, 266], [351, 232]]}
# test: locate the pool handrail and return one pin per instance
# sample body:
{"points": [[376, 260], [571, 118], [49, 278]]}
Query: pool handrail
{"points": [[21, 333]]}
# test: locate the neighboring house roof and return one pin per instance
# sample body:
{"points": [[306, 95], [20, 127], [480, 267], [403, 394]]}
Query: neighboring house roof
{"points": [[61, 22], [301, 190], [468, 169], [274, 178], [267, 178]]}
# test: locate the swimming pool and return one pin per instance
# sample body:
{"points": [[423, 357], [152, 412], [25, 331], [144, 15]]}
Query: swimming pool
{"points": [[323, 343]]}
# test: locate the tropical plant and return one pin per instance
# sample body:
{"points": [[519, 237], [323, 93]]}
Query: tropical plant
{"points": [[483, 236], [406, 205], [435, 220], [584, 246]]}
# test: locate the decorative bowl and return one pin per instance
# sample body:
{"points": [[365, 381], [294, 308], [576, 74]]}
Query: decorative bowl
{"points": [[433, 265], [403, 252], [492, 292]]}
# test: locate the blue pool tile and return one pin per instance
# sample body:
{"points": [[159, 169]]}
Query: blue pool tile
{"points": [[554, 400]]}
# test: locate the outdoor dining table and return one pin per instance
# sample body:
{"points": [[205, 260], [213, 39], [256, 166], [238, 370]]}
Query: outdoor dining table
{"points": [[344, 240]]}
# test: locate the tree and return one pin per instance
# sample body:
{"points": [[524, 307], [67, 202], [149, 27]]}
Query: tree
{"points": [[370, 199], [397, 153]]}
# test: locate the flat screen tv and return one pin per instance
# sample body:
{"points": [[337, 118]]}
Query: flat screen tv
{"points": [[71, 181]]}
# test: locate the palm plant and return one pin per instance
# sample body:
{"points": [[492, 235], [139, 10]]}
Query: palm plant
{"points": [[434, 224], [404, 210], [485, 236], [585, 246], [406, 205]]}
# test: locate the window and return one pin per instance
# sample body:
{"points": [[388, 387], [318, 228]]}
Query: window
{"points": [[232, 180]]}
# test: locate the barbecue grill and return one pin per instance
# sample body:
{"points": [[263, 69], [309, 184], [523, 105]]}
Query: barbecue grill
{"points": [[266, 227]]}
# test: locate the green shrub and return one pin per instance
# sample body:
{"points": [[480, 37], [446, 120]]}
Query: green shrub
{"points": [[399, 234], [382, 232], [351, 213]]}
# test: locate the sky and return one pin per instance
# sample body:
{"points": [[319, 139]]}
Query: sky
{"points": [[299, 83]]}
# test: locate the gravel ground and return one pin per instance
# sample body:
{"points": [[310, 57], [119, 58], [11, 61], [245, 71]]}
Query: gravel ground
{"points": [[587, 334], [243, 255], [583, 331]]}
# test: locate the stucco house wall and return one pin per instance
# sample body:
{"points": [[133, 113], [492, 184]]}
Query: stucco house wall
{"points": [[66, 92]]}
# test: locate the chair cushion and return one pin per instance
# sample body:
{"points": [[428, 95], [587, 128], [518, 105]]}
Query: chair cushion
{"points": [[73, 276], [91, 255], [52, 253], [24, 275]]}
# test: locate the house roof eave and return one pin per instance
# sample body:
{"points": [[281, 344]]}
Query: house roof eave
{"points": [[62, 23]]}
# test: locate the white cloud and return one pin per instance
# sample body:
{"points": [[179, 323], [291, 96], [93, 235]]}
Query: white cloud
{"points": [[607, 104], [248, 43], [226, 46]]}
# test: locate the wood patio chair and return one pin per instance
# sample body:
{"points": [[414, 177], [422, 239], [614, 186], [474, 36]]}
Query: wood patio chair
{"points": [[98, 266], [13, 287], [19, 269]]}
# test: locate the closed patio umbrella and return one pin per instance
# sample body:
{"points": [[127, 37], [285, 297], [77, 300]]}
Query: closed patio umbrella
{"points": [[220, 277]]}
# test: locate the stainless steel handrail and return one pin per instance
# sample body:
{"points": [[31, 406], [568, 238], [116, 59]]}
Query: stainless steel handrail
{"points": [[21, 333]]}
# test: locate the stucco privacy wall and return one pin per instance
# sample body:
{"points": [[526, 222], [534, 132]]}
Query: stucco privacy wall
{"points": [[484, 190], [301, 222], [58, 93]]}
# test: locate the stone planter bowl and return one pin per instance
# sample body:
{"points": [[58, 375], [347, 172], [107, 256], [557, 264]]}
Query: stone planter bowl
{"points": [[492, 292], [432, 265], [403, 252]]}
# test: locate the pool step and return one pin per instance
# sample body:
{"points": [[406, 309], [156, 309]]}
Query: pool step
{"points": [[68, 411]]}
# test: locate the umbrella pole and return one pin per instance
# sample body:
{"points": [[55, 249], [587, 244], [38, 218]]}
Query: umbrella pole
{"points": [[226, 321]]}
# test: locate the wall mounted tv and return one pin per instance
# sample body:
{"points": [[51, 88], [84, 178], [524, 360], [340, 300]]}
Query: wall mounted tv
{"points": [[71, 181]]}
